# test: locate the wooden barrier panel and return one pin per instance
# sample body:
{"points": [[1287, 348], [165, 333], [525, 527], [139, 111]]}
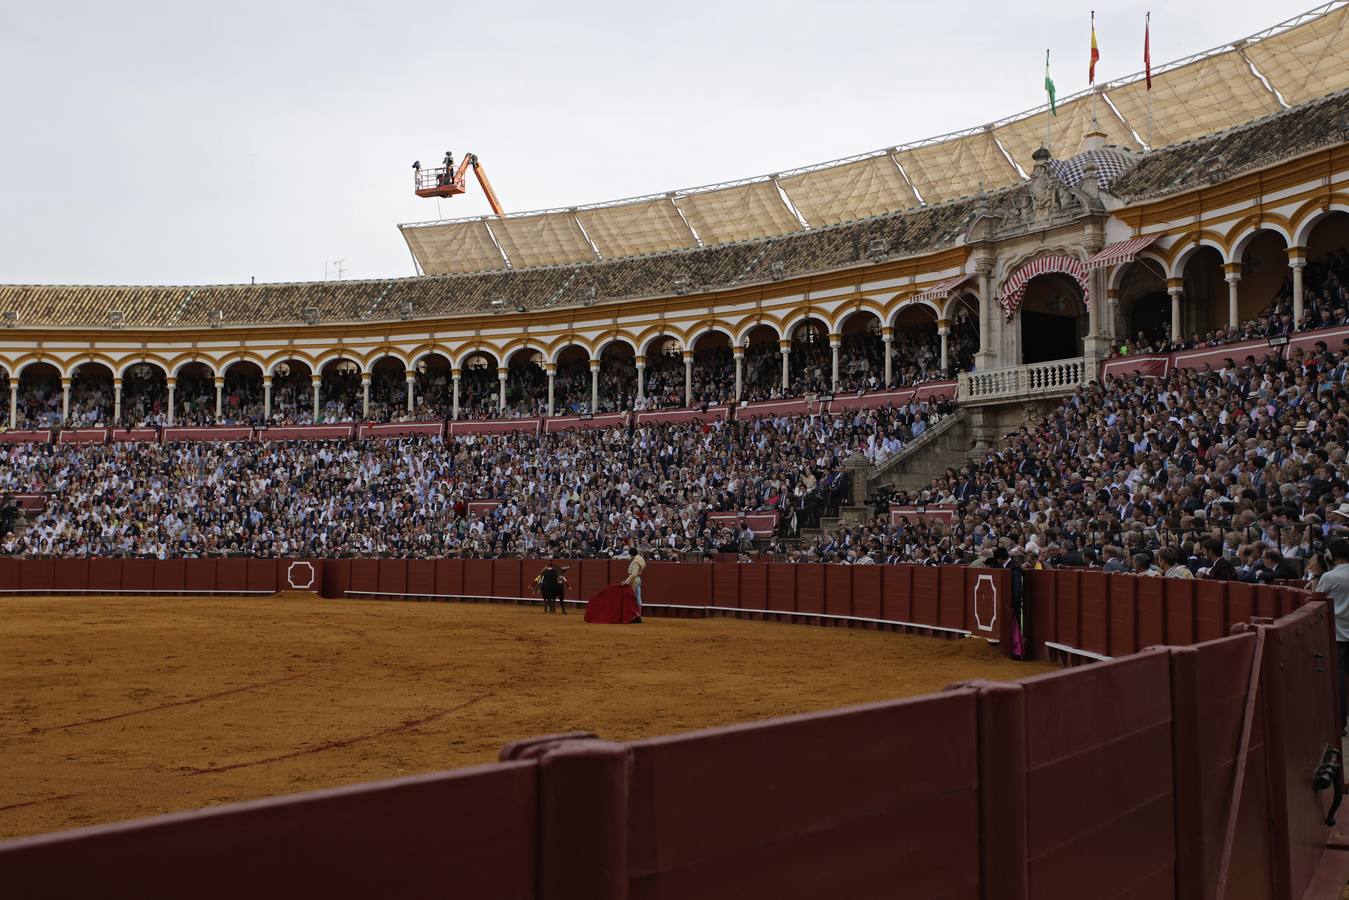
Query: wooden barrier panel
{"points": [[693, 588], [364, 576], [9, 573], [781, 586], [1094, 612], [658, 580], [1240, 603], [866, 591], [36, 575], [897, 593], [753, 586], [138, 574], [725, 584], [952, 600], [1178, 597], [506, 578], [926, 591], [450, 577], [1067, 608], [809, 807], [1043, 610], [810, 588], [838, 590], [477, 578], [262, 576], [466, 833], [1210, 610], [529, 570], [594, 576], [170, 576], [1266, 601], [199, 575], [336, 577], [1151, 612], [1076, 849], [392, 577], [70, 575], [421, 577], [1124, 614]]}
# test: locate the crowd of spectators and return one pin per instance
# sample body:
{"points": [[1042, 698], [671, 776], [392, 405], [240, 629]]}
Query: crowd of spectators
{"points": [[579, 492], [1245, 464]]}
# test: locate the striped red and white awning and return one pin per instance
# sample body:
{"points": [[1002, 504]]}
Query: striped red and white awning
{"points": [[1121, 252], [942, 289], [1014, 288]]}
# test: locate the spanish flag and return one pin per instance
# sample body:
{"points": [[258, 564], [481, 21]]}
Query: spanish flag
{"points": [[1095, 52]]}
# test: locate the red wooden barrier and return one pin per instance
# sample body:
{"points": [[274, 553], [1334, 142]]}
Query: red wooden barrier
{"points": [[170, 576], [450, 577], [261, 576], [897, 593], [466, 833], [781, 586], [952, 600], [529, 570], [336, 577], [1240, 605], [926, 591], [1042, 585], [364, 576], [506, 578], [1266, 601], [810, 588], [753, 586], [594, 575], [70, 575], [1094, 612], [726, 584], [1210, 610], [1178, 595], [809, 806], [1124, 614], [1151, 612], [392, 577], [866, 591], [1074, 849], [658, 581], [838, 590], [477, 578], [1067, 609], [36, 575], [139, 574], [421, 577]]}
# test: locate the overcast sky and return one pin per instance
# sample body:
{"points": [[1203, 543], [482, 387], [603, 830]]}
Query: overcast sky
{"points": [[183, 143]]}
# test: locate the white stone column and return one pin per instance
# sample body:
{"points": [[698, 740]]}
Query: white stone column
{"points": [[739, 354], [1232, 275], [640, 362], [835, 341], [944, 332], [365, 395], [988, 357], [1112, 314], [14, 402], [65, 400], [219, 396], [173, 385], [317, 381], [502, 372], [1297, 261], [1176, 288], [594, 386], [454, 408], [688, 377], [411, 378], [551, 369], [266, 396], [116, 401], [785, 348], [888, 337]]}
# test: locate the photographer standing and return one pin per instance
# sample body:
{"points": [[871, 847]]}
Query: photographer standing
{"points": [[1336, 584]]}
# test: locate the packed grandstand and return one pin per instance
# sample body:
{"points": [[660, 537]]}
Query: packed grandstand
{"points": [[1139, 333]]}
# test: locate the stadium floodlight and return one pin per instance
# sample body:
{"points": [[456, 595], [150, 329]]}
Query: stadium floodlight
{"points": [[777, 270], [520, 307], [218, 319], [405, 310], [1214, 166], [878, 249], [10, 318], [116, 318], [590, 296], [682, 283], [311, 315]]}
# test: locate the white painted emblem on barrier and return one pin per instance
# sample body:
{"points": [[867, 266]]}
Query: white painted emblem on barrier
{"points": [[985, 593], [290, 576]]}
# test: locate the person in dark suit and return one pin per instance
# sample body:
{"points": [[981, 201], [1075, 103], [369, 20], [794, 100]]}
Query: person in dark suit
{"points": [[1220, 568]]}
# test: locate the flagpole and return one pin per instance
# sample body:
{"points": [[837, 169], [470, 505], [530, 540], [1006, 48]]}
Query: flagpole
{"points": [[1049, 101], [1147, 49], [1094, 126]]}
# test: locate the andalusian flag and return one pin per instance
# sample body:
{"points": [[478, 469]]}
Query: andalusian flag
{"points": [[1095, 51], [1049, 87]]}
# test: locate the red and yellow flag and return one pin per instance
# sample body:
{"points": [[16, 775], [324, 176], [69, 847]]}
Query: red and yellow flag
{"points": [[1095, 51]]}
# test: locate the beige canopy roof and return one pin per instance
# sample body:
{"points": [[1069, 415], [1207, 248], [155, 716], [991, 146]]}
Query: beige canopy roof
{"points": [[547, 240], [453, 247], [1308, 61], [1066, 130], [632, 229], [956, 168], [738, 213], [859, 190]]}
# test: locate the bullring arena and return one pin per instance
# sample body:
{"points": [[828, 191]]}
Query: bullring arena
{"points": [[986, 497]]}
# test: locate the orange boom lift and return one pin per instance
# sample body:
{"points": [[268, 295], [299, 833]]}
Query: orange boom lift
{"points": [[446, 182]]}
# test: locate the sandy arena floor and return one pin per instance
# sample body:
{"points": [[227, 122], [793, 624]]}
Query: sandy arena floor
{"points": [[112, 708]]}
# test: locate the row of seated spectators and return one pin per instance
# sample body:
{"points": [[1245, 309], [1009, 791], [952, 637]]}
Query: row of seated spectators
{"points": [[580, 492], [1325, 288], [1249, 460], [915, 360]]}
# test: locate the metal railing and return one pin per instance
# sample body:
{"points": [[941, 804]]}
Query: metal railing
{"points": [[1048, 379]]}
